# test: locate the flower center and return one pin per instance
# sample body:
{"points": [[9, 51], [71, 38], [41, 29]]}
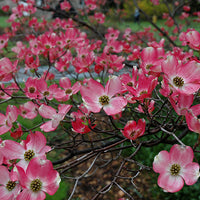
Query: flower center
{"points": [[10, 185], [68, 91], [143, 92], [148, 66], [47, 46], [31, 89], [178, 81], [28, 155], [24, 112], [104, 100], [36, 185], [175, 169], [132, 133], [2, 93], [46, 93], [130, 84]]}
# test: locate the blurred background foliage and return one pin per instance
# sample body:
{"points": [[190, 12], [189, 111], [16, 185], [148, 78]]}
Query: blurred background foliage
{"points": [[146, 6]]}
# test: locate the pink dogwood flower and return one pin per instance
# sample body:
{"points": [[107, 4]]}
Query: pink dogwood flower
{"points": [[155, 2], [175, 167], [192, 118], [17, 133], [38, 179], [133, 130], [7, 91], [9, 186], [148, 105], [192, 38], [80, 123], [95, 96], [33, 146], [91, 4], [65, 5], [181, 102], [3, 41], [5, 8], [68, 89], [99, 17], [181, 78], [32, 86], [6, 121], [28, 110], [50, 113], [7, 69], [151, 58], [143, 87]]}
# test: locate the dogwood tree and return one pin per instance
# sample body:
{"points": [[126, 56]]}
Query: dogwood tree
{"points": [[75, 94]]}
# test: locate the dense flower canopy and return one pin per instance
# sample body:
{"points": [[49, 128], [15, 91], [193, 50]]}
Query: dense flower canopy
{"points": [[78, 93]]}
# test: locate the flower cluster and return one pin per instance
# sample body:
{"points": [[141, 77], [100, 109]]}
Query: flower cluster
{"points": [[25, 172]]}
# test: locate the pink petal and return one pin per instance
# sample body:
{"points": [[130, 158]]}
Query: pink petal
{"points": [[12, 113], [170, 183], [191, 173], [189, 88], [149, 54], [4, 129], [195, 109], [13, 150], [46, 111], [113, 86], [9, 195], [1, 157], [169, 66], [115, 105], [161, 162], [63, 108], [65, 82], [2, 119], [25, 194], [36, 142], [47, 127], [192, 74], [56, 119], [39, 168], [29, 195], [44, 150], [5, 194], [92, 105], [52, 186], [23, 164], [76, 87], [4, 174], [193, 122], [92, 89], [181, 155], [23, 179]]}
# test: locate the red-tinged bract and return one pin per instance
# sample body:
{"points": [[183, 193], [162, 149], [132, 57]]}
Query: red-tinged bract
{"points": [[133, 130]]}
